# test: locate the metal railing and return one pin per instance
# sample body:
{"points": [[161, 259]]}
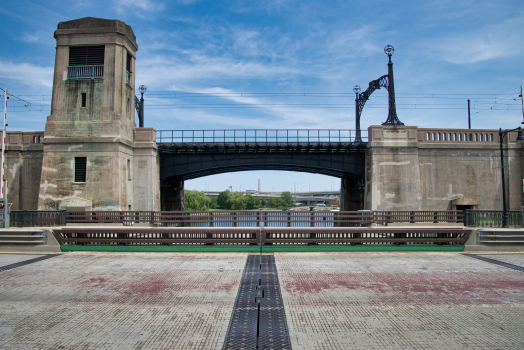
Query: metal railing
{"points": [[493, 218], [85, 72], [224, 218], [500, 236], [37, 218], [255, 236], [383, 217], [254, 218], [366, 235], [156, 236], [253, 136]]}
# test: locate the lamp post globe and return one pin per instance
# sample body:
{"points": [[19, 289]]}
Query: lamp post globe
{"points": [[389, 50], [356, 89], [142, 89]]}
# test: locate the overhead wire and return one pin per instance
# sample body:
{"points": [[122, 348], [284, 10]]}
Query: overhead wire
{"points": [[497, 101]]}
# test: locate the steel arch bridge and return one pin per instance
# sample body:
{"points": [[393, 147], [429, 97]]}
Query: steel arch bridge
{"points": [[191, 154], [333, 155]]}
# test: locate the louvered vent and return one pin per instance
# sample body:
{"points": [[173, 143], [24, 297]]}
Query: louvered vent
{"points": [[80, 169], [86, 55], [128, 62]]}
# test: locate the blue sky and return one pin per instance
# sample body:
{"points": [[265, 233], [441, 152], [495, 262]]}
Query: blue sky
{"points": [[202, 60]]}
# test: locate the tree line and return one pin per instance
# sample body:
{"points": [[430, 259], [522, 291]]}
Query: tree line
{"points": [[227, 200]]}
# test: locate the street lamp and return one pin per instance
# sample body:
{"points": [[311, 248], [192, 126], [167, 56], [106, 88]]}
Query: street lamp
{"points": [[392, 113], [520, 138], [385, 81], [139, 105], [358, 137]]}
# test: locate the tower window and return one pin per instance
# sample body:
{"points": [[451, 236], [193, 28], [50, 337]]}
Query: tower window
{"points": [[128, 62], [128, 69], [86, 62], [84, 99], [80, 169], [86, 55]]}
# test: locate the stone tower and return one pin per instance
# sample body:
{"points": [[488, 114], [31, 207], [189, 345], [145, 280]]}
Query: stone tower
{"points": [[94, 156]]}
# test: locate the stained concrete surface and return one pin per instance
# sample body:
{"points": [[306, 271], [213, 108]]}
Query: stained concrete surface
{"points": [[119, 301], [401, 301], [332, 301]]}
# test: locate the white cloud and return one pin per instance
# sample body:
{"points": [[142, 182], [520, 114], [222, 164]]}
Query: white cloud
{"points": [[490, 42], [165, 74], [137, 6], [36, 37], [27, 73]]}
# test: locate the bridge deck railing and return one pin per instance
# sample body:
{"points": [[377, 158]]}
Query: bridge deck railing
{"points": [[493, 218], [254, 136], [37, 218], [384, 217], [264, 236], [263, 218]]}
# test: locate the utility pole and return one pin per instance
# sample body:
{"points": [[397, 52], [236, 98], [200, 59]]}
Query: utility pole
{"points": [[522, 101], [469, 116], [2, 172]]}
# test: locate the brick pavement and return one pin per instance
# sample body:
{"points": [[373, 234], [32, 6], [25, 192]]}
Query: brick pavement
{"points": [[119, 301], [401, 301], [332, 301]]}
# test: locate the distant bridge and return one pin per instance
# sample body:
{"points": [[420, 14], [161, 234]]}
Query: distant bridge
{"points": [[297, 197]]}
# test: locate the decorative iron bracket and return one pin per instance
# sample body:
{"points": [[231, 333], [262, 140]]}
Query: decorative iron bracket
{"points": [[139, 106], [361, 99], [384, 81]]}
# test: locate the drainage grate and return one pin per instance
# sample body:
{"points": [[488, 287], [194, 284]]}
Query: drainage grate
{"points": [[496, 262], [25, 262], [258, 320]]}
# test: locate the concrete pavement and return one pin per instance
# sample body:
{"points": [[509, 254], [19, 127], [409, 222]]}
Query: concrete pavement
{"points": [[332, 300]]}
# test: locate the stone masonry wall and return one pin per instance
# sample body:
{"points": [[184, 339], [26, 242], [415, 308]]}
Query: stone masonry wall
{"points": [[419, 169]]}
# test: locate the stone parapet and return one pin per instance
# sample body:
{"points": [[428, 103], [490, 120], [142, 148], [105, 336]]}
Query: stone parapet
{"points": [[392, 136], [408, 168]]}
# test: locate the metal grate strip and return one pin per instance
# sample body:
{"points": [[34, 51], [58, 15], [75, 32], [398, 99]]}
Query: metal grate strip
{"points": [[25, 262], [496, 262], [258, 320], [273, 331]]}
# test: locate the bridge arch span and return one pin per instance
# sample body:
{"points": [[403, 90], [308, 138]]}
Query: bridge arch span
{"points": [[348, 165], [181, 167]]}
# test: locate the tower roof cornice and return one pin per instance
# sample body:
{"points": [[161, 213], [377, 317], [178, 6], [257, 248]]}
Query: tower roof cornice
{"points": [[93, 25]]}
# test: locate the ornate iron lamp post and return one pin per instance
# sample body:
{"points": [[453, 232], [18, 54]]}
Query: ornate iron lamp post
{"points": [[392, 114], [502, 134], [356, 90], [385, 81], [139, 106]]}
